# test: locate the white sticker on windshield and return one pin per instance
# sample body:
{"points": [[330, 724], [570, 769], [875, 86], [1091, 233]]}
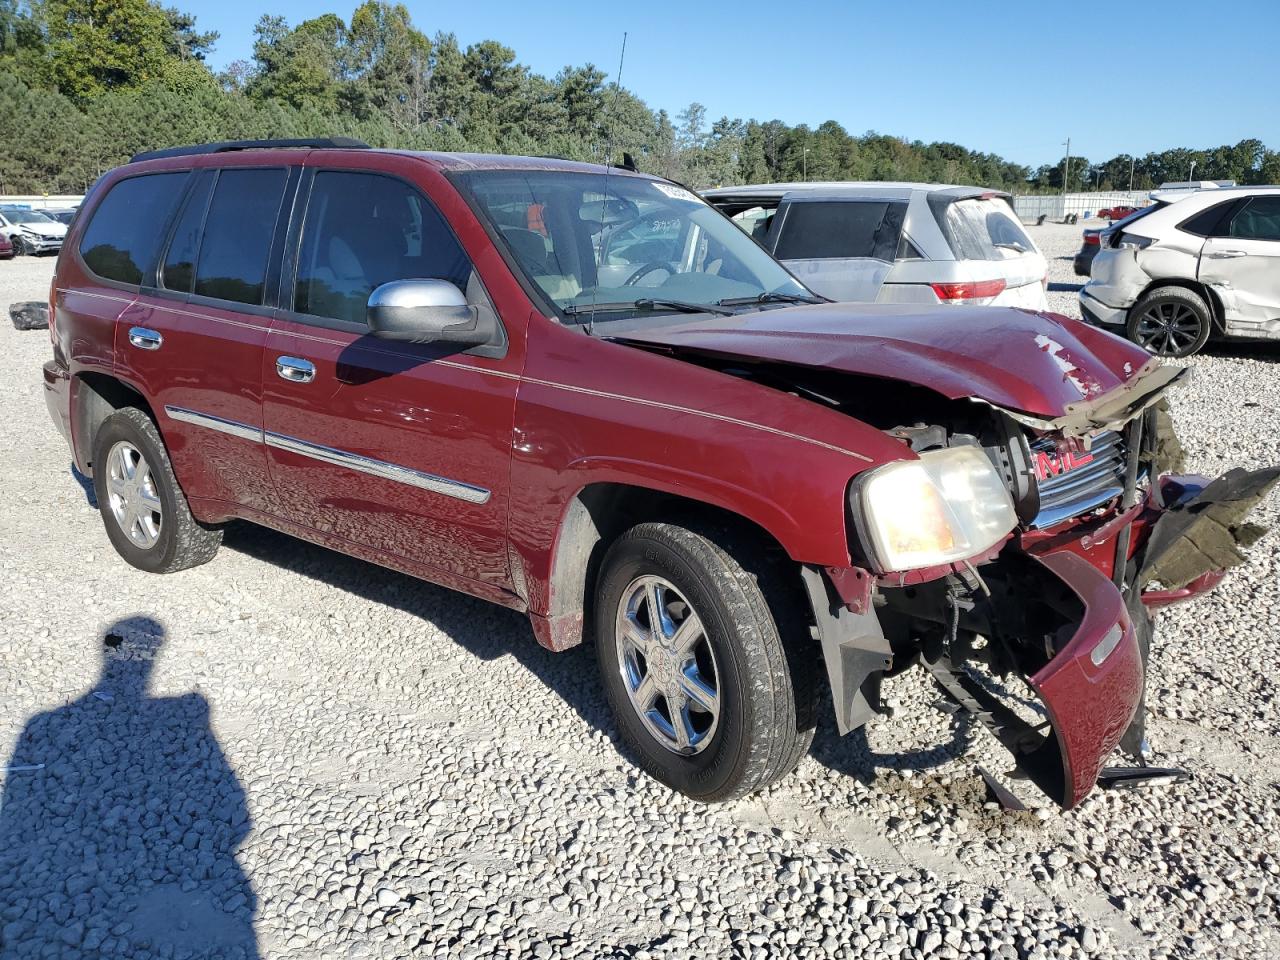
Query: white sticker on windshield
{"points": [[677, 193]]}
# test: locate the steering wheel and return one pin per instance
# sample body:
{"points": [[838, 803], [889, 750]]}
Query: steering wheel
{"points": [[645, 270]]}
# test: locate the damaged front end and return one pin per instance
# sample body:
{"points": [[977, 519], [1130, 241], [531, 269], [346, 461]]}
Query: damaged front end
{"points": [[1046, 642]]}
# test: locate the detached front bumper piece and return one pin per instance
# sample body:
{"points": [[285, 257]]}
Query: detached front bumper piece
{"points": [[1090, 690]]}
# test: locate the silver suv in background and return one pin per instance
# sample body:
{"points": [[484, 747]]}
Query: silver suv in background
{"points": [[1176, 273], [894, 242]]}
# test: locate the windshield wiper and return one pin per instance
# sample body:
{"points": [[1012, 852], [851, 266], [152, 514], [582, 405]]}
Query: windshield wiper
{"points": [[768, 297], [646, 305]]}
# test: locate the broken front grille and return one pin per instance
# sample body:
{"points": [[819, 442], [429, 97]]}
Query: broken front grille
{"points": [[1073, 480]]}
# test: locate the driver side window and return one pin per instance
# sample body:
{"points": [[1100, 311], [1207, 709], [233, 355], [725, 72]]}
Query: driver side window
{"points": [[363, 230]]}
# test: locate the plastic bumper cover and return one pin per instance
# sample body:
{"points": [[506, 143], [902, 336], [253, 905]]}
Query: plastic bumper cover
{"points": [[1090, 690], [1099, 313]]}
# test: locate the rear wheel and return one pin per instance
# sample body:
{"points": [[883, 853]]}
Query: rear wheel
{"points": [[144, 510], [694, 663], [1170, 322]]}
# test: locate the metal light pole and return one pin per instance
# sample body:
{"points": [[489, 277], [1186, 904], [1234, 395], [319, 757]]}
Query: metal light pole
{"points": [[804, 164], [1066, 166], [1192, 175], [1131, 174]]}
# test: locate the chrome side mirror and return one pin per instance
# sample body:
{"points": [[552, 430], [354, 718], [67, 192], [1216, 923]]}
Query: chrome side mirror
{"points": [[424, 311]]}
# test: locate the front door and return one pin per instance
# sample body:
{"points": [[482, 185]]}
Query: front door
{"points": [[1242, 264], [403, 448]]}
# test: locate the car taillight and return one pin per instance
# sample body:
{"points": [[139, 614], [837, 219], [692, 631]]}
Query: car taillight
{"points": [[974, 290], [1091, 240]]}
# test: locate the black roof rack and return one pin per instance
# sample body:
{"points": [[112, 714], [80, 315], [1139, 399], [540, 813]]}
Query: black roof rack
{"points": [[226, 146]]}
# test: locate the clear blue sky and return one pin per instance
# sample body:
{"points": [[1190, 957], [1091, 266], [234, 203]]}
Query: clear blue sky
{"points": [[1013, 78]]}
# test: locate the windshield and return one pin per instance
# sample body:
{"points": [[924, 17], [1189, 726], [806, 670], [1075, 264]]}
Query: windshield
{"points": [[641, 246], [26, 216]]}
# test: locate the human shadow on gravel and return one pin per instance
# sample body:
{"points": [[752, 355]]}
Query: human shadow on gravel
{"points": [[119, 823], [485, 630]]}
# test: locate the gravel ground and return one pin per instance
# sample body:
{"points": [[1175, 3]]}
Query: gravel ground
{"points": [[289, 753]]}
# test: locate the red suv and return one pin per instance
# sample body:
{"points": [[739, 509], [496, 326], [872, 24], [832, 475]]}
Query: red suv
{"points": [[581, 392]]}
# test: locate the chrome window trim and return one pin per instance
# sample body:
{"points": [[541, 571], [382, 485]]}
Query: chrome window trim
{"points": [[456, 489]]}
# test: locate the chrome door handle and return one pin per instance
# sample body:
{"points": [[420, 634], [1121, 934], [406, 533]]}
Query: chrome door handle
{"points": [[1227, 254], [145, 339], [295, 369]]}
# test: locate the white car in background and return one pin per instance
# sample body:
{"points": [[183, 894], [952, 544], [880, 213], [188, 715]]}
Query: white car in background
{"points": [[31, 231], [894, 242], [1174, 274]]}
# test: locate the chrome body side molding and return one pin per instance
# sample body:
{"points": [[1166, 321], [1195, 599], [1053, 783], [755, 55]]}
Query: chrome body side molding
{"points": [[456, 489]]}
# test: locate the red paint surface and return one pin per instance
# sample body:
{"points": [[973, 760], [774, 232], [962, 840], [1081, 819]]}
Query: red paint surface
{"points": [[987, 352], [1090, 704]]}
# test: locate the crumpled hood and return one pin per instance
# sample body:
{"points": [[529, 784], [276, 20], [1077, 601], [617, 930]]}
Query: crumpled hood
{"points": [[1038, 363]]}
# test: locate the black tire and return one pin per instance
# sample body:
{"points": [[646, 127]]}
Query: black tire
{"points": [[1170, 322], [766, 677], [21, 247], [180, 541]]}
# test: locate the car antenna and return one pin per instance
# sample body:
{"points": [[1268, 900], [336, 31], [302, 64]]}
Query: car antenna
{"points": [[604, 200]]}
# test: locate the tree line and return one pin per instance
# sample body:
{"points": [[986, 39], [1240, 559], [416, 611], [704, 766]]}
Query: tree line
{"points": [[85, 84]]}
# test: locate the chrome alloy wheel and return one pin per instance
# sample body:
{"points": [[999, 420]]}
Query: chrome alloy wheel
{"points": [[134, 500], [1166, 329], [667, 665]]}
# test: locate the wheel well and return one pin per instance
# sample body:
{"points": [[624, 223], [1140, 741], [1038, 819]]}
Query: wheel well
{"points": [[97, 397], [1203, 290], [597, 516]]}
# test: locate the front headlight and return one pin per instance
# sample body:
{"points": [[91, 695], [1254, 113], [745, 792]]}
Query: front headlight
{"points": [[948, 505]]}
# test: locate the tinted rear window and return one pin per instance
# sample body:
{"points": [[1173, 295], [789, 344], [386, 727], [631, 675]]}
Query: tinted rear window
{"points": [[128, 226], [983, 230], [237, 234], [826, 230], [180, 262]]}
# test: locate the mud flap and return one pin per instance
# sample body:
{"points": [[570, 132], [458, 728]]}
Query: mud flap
{"points": [[855, 650], [1134, 741], [1206, 531]]}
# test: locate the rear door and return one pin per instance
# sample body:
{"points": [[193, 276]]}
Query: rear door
{"points": [[403, 448], [193, 341], [840, 248], [1242, 263]]}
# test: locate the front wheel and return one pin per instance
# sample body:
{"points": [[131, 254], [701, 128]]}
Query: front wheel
{"points": [[694, 664], [1170, 322]]}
